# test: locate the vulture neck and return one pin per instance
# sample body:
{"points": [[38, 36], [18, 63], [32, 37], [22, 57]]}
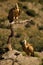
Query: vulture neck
{"points": [[25, 42], [17, 7]]}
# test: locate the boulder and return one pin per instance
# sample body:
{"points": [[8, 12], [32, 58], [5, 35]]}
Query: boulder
{"points": [[16, 58]]}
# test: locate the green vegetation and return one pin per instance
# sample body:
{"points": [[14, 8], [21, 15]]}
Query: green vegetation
{"points": [[41, 2], [3, 0], [29, 0], [36, 1], [24, 54], [31, 13], [41, 9], [33, 36], [36, 54], [31, 32], [41, 62], [40, 27]]}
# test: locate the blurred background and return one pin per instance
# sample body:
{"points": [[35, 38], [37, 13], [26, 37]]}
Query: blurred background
{"points": [[32, 31]]}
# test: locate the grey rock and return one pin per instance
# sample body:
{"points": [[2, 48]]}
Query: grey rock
{"points": [[16, 58]]}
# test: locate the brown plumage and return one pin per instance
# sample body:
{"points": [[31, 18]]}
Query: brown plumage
{"points": [[14, 13], [28, 48]]}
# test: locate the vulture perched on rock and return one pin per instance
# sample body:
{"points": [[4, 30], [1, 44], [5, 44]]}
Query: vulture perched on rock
{"points": [[28, 48]]}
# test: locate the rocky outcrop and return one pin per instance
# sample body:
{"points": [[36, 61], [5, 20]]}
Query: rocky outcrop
{"points": [[16, 58]]}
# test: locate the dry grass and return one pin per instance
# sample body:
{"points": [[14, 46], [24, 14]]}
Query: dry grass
{"points": [[32, 33]]}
